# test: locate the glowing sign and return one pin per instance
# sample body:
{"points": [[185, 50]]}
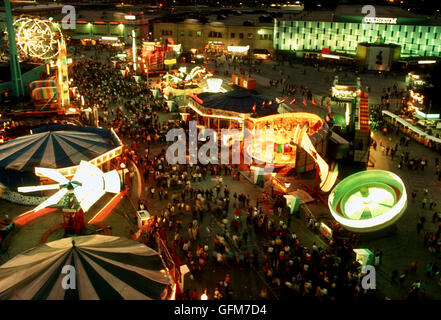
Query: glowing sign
{"points": [[380, 20], [344, 93], [240, 49], [130, 17]]}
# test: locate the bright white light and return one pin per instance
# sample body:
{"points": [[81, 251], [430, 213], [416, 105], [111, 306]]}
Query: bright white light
{"points": [[214, 84], [239, 49], [426, 61], [109, 38], [330, 56], [39, 188], [89, 185]]}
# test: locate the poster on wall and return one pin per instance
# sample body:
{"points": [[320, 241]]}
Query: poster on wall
{"points": [[379, 58]]}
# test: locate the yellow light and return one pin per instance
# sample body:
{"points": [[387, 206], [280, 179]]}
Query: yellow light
{"points": [[260, 31], [211, 115], [121, 26], [204, 296]]}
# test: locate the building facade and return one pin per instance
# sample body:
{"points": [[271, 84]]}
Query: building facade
{"points": [[216, 35], [417, 36]]}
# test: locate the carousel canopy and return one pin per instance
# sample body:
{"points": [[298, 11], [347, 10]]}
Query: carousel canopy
{"points": [[56, 146], [106, 267], [240, 101]]}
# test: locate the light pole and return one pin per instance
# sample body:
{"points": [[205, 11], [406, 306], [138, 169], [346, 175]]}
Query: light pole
{"points": [[123, 167]]}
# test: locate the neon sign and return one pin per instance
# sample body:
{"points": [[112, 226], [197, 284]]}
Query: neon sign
{"points": [[380, 20]]}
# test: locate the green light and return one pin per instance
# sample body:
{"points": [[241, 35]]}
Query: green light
{"points": [[429, 116]]}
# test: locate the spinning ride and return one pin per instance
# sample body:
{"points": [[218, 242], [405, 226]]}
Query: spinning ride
{"points": [[37, 38], [368, 201]]}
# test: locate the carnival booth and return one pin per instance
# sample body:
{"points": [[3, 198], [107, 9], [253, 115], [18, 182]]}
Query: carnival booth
{"points": [[292, 202], [224, 110], [279, 130], [41, 84], [364, 257]]}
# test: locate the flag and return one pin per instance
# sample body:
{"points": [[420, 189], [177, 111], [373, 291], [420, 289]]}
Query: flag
{"points": [[254, 107], [304, 102], [313, 102], [292, 101]]}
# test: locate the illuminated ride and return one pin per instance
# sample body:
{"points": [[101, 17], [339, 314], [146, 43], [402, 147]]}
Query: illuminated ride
{"points": [[293, 133], [76, 196], [37, 38], [327, 177], [88, 185], [182, 78], [368, 201]]}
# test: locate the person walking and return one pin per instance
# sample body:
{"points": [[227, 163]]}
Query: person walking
{"points": [[245, 237], [419, 227], [423, 202], [394, 275]]}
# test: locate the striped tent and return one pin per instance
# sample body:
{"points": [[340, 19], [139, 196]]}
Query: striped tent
{"points": [[105, 268], [44, 93], [53, 149], [41, 84]]}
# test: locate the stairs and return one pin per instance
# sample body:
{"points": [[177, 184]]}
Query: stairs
{"points": [[363, 117]]}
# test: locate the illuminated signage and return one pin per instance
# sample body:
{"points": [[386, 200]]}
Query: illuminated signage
{"points": [[325, 230], [380, 20], [169, 61], [343, 94], [129, 17], [238, 48]]}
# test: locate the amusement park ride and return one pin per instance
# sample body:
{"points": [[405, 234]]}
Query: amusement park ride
{"points": [[42, 40], [76, 196]]}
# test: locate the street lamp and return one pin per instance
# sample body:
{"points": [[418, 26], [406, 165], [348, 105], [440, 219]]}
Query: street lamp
{"points": [[123, 167]]}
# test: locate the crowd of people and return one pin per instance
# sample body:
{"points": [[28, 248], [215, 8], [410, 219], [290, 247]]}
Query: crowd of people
{"points": [[243, 233]]}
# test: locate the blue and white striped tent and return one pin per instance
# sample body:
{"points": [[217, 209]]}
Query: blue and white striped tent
{"points": [[105, 268], [52, 146]]}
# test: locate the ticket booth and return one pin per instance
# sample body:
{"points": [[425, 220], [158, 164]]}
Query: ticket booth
{"points": [[143, 217]]}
